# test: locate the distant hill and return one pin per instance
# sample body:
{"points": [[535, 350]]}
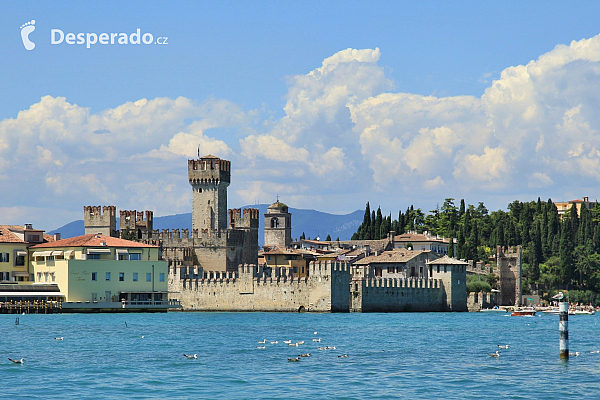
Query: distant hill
{"points": [[312, 223]]}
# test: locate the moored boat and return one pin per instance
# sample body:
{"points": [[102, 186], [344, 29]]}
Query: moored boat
{"points": [[493, 310]]}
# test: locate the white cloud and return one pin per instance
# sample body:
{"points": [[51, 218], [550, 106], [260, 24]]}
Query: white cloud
{"points": [[345, 137]]}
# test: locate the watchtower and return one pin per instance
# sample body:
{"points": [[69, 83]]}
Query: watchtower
{"points": [[209, 177], [278, 225], [134, 221], [101, 220]]}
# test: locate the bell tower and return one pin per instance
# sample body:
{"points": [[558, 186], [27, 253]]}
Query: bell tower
{"points": [[278, 225], [209, 177]]}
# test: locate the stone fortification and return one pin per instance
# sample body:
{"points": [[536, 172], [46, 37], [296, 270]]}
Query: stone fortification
{"points": [[509, 274], [134, 221], [249, 289], [395, 295], [209, 177], [100, 220]]}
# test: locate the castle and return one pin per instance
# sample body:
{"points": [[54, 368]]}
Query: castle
{"points": [[216, 268]]}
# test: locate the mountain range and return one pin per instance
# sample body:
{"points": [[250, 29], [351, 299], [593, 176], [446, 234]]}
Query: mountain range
{"points": [[310, 222]]}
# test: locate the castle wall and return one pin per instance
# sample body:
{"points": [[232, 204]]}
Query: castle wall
{"points": [[325, 290], [398, 295]]}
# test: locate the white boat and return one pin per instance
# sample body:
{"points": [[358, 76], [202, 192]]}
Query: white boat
{"points": [[583, 312]]}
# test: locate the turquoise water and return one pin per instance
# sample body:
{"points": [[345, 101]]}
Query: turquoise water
{"points": [[405, 355]]}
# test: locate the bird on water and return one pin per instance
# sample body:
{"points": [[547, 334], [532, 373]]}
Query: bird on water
{"points": [[20, 361], [503, 347], [496, 354], [191, 356]]}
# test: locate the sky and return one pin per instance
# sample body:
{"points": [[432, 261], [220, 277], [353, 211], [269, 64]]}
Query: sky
{"points": [[327, 105]]}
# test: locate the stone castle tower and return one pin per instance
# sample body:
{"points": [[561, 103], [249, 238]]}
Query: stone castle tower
{"points": [[278, 226], [209, 177], [102, 220], [134, 221]]}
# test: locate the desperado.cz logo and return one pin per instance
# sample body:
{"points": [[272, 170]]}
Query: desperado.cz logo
{"points": [[57, 36]]}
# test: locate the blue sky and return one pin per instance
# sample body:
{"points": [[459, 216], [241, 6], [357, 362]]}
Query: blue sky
{"points": [[328, 104]]}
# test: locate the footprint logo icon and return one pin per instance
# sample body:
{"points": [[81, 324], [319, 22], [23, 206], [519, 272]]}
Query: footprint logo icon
{"points": [[26, 29]]}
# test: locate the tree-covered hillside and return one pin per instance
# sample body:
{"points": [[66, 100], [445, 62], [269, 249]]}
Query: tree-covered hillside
{"points": [[557, 252]]}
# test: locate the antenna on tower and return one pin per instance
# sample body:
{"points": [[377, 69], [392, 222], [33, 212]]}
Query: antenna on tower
{"points": [[198, 150]]}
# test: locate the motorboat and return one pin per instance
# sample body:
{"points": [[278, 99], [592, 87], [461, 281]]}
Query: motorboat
{"points": [[523, 312]]}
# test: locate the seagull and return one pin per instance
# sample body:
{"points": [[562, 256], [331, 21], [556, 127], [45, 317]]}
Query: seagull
{"points": [[293, 344], [344, 356], [315, 332], [59, 338], [304, 355], [496, 354], [287, 341], [574, 354], [17, 361], [503, 347], [595, 351], [262, 342], [261, 347], [301, 342], [558, 296], [322, 348], [275, 342], [142, 337], [294, 359], [191, 356], [316, 340], [330, 348]]}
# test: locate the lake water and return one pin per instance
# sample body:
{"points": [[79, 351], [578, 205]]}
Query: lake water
{"points": [[406, 355]]}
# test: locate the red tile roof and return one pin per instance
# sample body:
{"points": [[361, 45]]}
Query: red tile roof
{"points": [[92, 240], [6, 236]]}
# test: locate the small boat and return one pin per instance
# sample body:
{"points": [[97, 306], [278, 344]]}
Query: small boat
{"points": [[583, 312], [493, 310], [523, 312]]}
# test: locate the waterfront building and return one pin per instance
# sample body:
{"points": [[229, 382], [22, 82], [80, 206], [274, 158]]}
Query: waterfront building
{"points": [[14, 241], [98, 271]]}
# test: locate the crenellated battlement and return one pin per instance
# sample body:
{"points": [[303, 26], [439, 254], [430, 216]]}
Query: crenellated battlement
{"points": [[97, 219], [247, 219], [134, 220], [209, 170], [411, 283]]}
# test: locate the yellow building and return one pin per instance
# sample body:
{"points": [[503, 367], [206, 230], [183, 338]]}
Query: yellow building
{"points": [[564, 206], [14, 241], [282, 261], [98, 270]]}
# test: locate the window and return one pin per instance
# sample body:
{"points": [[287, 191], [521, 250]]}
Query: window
{"points": [[148, 277], [93, 256], [123, 257], [391, 270], [121, 276], [108, 276], [39, 276], [135, 256], [20, 261], [268, 257], [49, 258], [4, 257], [94, 276], [161, 277]]}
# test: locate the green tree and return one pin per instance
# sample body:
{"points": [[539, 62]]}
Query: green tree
{"points": [[328, 239]]}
